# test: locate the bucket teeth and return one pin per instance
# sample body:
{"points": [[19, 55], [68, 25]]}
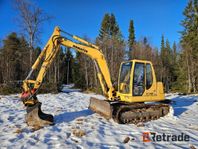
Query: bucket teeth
{"points": [[36, 118]]}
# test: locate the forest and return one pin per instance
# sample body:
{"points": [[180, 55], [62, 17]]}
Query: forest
{"points": [[175, 65]]}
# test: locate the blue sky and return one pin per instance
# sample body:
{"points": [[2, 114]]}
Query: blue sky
{"points": [[152, 18]]}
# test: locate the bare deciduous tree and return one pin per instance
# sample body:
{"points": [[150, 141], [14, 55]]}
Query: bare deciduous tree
{"points": [[30, 19]]}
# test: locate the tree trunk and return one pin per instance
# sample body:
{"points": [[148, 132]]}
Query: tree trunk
{"points": [[86, 75], [31, 48], [68, 71], [188, 72]]}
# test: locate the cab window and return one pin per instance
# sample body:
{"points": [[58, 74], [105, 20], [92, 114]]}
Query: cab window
{"points": [[124, 82], [149, 77], [139, 79]]}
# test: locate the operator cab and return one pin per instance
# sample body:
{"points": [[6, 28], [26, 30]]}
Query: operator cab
{"points": [[136, 77]]}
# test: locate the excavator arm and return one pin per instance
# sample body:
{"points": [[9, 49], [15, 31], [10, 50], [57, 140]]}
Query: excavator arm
{"points": [[49, 53], [44, 61]]}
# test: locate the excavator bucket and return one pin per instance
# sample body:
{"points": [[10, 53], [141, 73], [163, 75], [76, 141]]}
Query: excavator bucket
{"points": [[101, 107], [36, 118]]}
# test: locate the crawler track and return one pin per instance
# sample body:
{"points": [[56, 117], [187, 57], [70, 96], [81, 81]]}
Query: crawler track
{"points": [[137, 113], [127, 113]]}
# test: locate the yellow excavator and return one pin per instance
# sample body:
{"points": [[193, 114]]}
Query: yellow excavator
{"points": [[138, 98]]}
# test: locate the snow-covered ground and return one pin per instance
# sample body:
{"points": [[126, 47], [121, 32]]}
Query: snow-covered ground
{"points": [[71, 113]]}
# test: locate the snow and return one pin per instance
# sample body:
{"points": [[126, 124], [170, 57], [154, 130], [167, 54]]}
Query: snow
{"points": [[70, 110]]}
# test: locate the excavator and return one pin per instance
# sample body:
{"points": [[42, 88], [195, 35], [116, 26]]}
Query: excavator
{"points": [[138, 98]]}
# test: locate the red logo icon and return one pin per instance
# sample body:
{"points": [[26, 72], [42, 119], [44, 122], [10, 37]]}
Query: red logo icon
{"points": [[145, 137]]}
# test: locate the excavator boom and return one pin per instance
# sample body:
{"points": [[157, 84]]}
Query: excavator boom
{"points": [[35, 117]]}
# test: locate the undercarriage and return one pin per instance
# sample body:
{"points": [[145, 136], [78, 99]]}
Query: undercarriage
{"points": [[127, 113]]}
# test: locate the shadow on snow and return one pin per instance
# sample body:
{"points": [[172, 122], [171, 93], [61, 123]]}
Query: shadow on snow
{"points": [[70, 116], [180, 103]]}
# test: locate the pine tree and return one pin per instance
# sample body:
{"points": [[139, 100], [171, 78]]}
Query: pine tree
{"points": [[113, 26], [111, 43], [174, 53], [78, 71], [131, 38], [104, 29], [189, 44], [162, 47], [179, 75], [10, 57], [174, 48], [166, 60], [13, 61], [109, 28], [168, 53], [162, 57], [68, 65]]}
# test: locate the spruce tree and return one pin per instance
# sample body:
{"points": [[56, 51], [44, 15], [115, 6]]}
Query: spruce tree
{"points": [[11, 57], [174, 48], [131, 38], [162, 45], [166, 59], [162, 49], [104, 29], [168, 52], [109, 28], [189, 42], [13, 62], [174, 53], [68, 66], [113, 47], [113, 26]]}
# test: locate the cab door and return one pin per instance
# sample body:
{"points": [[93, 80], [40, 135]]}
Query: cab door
{"points": [[150, 86], [125, 78], [143, 88], [139, 79]]}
